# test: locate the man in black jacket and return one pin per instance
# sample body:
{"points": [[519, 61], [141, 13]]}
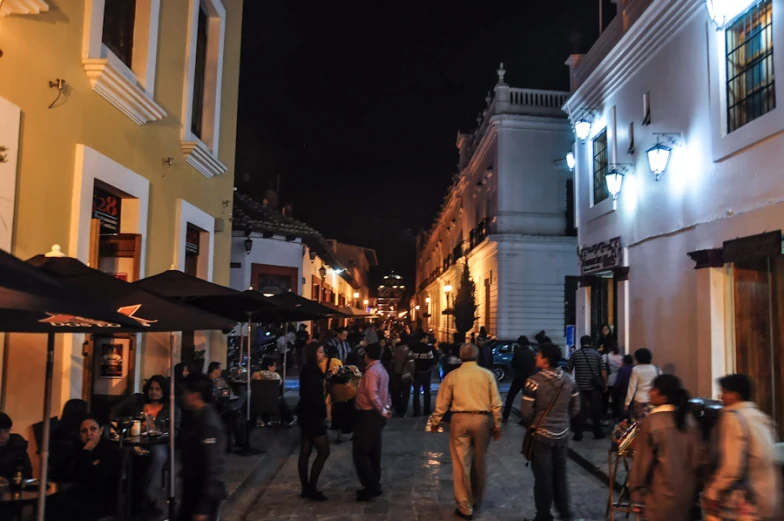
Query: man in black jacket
{"points": [[422, 354], [203, 455], [13, 451], [524, 365]]}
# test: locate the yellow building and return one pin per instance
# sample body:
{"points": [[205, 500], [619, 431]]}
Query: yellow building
{"points": [[118, 123]]}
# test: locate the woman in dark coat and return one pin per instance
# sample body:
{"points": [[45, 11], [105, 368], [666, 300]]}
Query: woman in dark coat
{"points": [[66, 441], [312, 413]]}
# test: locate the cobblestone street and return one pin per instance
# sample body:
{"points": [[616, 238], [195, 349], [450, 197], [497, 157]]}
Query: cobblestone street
{"points": [[417, 482]]}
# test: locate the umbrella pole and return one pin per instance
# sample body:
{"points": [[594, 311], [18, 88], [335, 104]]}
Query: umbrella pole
{"points": [[247, 398], [172, 502], [285, 353], [42, 485]]}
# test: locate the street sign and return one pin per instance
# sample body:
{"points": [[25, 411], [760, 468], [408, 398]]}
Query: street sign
{"points": [[570, 340]]}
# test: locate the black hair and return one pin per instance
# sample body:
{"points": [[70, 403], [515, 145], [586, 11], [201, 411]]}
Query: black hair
{"points": [[643, 355], [74, 412], [86, 417], [5, 422], [523, 341], [292, 329], [373, 351], [552, 353], [737, 383], [213, 366], [670, 387], [163, 382], [614, 349], [311, 351], [341, 330], [628, 360], [199, 384], [586, 340], [540, 337], [267, 362], [179, 369]]}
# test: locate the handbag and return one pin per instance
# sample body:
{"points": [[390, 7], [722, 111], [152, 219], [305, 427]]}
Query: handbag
{"points": [[596, 380], [738, 503], [528, 439]]}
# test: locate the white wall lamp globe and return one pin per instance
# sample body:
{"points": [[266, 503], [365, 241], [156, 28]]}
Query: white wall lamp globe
{"points": [[582, 129], [724, 12], [570, 161], [659, 155], [614, 178]]}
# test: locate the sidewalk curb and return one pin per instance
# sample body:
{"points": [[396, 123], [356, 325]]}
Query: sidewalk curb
{"points": [[575, 456]]}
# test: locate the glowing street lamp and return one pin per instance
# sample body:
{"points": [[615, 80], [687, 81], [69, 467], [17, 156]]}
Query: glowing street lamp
{"points": [[723, 12], [570, 161], [659, 154], [614, 182], [582, 129]]}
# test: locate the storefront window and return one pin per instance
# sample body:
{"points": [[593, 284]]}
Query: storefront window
{"points": [[603, 303]]}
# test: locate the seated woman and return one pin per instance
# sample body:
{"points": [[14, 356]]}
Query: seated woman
{"points": [[269, 371], [66, 441], [154, 403], [13, 451], [95, 476]]}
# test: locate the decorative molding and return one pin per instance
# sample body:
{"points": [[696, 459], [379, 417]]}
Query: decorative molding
{"points": [[642, 41], [120, 91], [197, 155], [23, 7], [712, 258]]}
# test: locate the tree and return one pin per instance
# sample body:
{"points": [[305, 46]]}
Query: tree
{"points": [[465, 303]]}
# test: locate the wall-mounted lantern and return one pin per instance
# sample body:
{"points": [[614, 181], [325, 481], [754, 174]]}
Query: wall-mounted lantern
{"points": [[614, 178], [659, 154], [570, 161], [724, 12]]}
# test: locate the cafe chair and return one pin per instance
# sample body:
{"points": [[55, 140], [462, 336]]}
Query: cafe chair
{"points": [[264, 398]]}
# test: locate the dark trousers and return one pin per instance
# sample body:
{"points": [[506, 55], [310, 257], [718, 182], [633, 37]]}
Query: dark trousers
{"points": [[191, 494], [514, 389], [590, 403], [367, 449], [401, 393], [421, 381], [549, 466]]}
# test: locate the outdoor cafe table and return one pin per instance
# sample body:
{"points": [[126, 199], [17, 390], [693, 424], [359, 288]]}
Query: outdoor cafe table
{"points": [[16, 500], [128, 443]]}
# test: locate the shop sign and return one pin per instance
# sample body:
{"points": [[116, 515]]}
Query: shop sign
{"points": [[601, 257], [192, 235], [107, 209]]}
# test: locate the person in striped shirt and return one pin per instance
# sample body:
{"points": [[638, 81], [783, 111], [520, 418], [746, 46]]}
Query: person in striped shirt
{"points": [[586, 366]]}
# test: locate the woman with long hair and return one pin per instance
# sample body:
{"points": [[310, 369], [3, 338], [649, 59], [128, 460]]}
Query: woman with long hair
{"points": [[66, 441], [312, 414], [663, 479], [637, 396], [612, 361]]}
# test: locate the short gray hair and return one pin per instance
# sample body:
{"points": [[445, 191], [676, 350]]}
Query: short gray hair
{"points": [[469, 352]]}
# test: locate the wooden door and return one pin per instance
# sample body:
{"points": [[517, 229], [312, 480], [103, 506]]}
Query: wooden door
{"points": [[755, 354]]}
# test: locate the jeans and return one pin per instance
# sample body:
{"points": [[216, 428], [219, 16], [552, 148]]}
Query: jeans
{"points": [[422, 381], [589, 401], [514, 389], [549, 466], [366, 449], [191, 495], [401, 393]]}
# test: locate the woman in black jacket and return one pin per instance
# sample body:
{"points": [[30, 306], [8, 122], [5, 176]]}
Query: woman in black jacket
{"points": [[66, 441], [95, 476], [312, 411]]}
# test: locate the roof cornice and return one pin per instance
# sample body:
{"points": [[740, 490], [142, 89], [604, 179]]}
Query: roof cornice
{"points": [[655, 27]]}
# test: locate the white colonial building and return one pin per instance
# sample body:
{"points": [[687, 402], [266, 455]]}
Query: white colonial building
{"points": [[686, 259], [507, 214]]}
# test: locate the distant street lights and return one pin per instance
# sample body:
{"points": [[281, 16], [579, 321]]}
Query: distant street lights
{"points": [[447, 291]]}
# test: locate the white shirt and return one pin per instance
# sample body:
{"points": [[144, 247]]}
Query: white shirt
{"points": [[612, 363], [640, 383]]}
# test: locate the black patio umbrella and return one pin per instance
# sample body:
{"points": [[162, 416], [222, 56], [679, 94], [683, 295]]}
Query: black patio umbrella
{"points": [[292, 300], [151, 312], [17, 274]]}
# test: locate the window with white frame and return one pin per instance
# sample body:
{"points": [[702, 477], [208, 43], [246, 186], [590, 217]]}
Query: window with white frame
{"points": [[751, 89], [600, 165], [204, 77], [120, 54]]}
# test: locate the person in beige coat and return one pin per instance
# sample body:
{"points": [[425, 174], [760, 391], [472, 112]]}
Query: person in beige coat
{"points": [[667, 457], [745, 450]]}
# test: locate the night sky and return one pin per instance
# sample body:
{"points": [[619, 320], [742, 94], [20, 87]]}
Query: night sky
{"points": [[355, 104]]}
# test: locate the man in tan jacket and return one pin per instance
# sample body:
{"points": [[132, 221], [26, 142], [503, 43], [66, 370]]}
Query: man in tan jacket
{"points": [[472, 394], [746, 451]]}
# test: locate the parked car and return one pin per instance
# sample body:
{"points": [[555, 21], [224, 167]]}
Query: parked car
{"points": [[503, 352]]}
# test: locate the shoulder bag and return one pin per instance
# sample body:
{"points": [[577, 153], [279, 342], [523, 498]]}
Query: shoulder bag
{"points": [[528, 439], [596, 379]]}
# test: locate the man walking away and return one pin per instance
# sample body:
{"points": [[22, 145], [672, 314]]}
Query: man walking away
{"points": [[402, 376], [302, 340], [524, 365], [422, 354], [591, 377], [471, 393], [746, 450], [372, 404], [203, 456], [555, 390]]}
